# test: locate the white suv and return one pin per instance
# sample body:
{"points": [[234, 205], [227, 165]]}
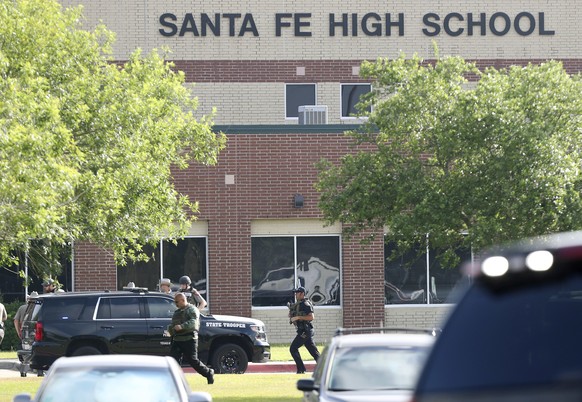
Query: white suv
{"points": [[361, 366]]}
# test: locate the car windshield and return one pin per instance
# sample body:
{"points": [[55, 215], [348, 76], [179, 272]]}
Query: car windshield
{"points": [[526, 336], [375, 368], [109, 385]]}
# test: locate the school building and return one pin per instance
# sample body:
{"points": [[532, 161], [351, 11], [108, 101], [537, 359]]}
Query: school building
{"points": [[284, 79]]}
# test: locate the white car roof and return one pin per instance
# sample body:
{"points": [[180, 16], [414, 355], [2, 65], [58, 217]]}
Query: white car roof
{"points": [[113, 360], [392, 339]]}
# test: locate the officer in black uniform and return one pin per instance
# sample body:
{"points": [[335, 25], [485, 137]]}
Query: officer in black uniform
{"points": [[302, 317], [194, 297]]}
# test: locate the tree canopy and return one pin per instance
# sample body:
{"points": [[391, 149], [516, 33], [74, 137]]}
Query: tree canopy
{"points": [[469, 163], [87, 145]]}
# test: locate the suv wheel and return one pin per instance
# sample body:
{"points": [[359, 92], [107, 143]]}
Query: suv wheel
{"points": [[229, 359], [86, 350]]}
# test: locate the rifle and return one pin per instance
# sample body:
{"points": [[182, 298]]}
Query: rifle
{"points": [[292, 310]]}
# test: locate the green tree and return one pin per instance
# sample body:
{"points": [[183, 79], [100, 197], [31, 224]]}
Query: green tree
{"points": [[87, 145], [498, 159]]}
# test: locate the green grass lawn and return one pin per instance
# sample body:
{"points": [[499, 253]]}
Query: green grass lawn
{"points": [[7, 355], [226, 387], [279, 387], [279, 353]]}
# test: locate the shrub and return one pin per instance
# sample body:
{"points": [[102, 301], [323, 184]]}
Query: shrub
{"points": [[11, 340]]}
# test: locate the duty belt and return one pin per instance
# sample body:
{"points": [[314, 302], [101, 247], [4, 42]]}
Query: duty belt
{"points": [[186, 334]]}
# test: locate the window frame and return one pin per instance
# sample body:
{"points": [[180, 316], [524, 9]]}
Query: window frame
{"points": [[295, 278], [158, 264], [342, 85], [426, 264], [297, 84], [106, 302]]}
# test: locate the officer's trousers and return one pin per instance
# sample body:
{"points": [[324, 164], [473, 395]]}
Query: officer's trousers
{"points": [[188, 351], [303, 338]]}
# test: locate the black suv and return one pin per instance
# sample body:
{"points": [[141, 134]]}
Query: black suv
{"points": [[133, 321], [516, 334]]}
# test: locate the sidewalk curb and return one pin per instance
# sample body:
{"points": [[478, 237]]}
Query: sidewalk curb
{"points": [[269, 368], [253, 368], [9, 364]]}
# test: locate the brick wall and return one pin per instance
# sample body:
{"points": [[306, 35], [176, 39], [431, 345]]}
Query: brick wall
{"points": [[268, 170], [320, 71], [243, 76], [93, 268]]}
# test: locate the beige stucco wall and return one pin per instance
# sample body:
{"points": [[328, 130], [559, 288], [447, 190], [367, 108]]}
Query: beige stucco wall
{"points": [[263, 102], [328, 319], [136, 23], [280, 331]]}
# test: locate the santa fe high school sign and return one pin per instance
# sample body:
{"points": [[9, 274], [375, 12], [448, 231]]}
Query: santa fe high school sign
{"points": [[370, 24]]}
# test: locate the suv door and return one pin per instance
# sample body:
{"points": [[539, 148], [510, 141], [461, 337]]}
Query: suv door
{"points": [[159, 315], [122, 320]]}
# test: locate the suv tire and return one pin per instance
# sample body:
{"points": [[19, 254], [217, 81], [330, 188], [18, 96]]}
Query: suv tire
{"points": [[229, 359], [86, 350]]}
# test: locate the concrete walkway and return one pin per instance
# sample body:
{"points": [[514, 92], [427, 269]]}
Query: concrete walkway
{"points": [[9, 368]]}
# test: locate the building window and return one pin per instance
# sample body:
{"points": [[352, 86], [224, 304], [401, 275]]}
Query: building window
{"points": [[351, 94], [298, 95], [121, 308], [280, 264], [168, 260], [34, 264], [407, 277]]}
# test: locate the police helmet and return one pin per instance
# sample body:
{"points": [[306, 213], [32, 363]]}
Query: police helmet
{"points": [[185, 280]]}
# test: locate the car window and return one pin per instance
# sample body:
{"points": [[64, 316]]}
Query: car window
{"points": [[110, 385], [321, 363], [376, 367], [32, 311], [119, 308], [160, 307], [499, 338], [60, 308]]}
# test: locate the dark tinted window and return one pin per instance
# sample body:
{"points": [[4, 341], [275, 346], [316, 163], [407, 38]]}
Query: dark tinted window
{"points": [[66, 308], [405, 276], [33, 264], [32, 311], [351, 97], [298, 95], [279, 264], [141, 273], [527, 336], [160, 307], [186, 257], [119, 308]]}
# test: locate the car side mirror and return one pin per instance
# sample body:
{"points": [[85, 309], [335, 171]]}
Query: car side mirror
{"points": [[306, 384], [22, 398]]}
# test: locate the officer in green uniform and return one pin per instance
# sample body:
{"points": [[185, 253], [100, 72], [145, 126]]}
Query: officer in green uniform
{"points": [[184, 332], [301, 316]]}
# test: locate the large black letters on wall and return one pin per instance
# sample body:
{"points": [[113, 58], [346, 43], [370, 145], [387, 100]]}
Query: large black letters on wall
{"points": [[371, 24]]}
